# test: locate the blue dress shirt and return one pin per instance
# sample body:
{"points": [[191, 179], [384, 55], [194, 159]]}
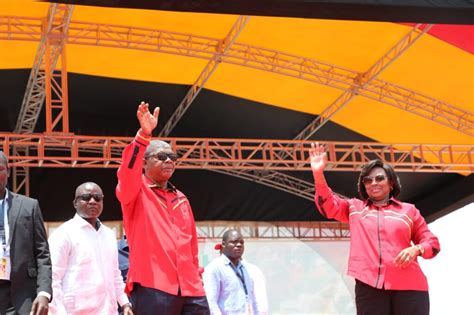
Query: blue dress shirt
{"points": [[225, 290]]}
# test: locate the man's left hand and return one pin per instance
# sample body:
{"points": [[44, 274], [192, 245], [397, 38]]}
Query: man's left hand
{"points": [[40, 306], [127, 309]]}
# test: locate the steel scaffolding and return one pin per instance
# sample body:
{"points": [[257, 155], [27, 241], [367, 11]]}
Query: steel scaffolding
{"points": [[163, 41], [214, 230], [261, 161], [73, 151]]}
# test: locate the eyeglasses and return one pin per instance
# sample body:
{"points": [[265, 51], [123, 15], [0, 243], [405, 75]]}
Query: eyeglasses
{"points": [[367, 180], [162, 156], [88, 197]]}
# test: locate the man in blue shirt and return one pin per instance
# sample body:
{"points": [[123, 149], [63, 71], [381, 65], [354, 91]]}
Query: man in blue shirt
{"points": [[234, 286]]}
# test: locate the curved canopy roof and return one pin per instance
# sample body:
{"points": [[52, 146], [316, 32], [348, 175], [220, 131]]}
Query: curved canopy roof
{"points": [[413, 85]]}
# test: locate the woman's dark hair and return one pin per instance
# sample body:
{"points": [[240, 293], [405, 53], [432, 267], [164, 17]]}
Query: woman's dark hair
{"points": [[391, 176]]}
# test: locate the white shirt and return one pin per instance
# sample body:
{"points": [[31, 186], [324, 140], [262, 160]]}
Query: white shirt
{"points": [[86, 278], [6, 225], [225, 292], [5, 273]]}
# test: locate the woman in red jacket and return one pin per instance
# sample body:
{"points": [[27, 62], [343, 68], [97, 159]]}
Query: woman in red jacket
{"points": [[387, 236]]}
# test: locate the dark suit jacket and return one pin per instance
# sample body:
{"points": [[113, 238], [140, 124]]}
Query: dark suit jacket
{"points": [[29, 252]]}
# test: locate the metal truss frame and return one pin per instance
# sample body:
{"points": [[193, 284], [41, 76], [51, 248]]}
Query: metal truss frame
{"points": [[43, 83], [21, 176], [274, 179], [270, 178], [57, 103], [107, 35], [364, 79], [305, 189], [214, 230], [205, 75], [73, 151], [320, 231], [217, 51]]}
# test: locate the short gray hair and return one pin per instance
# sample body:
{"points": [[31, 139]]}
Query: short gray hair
{"points": [[3, 158], [156, 145]]}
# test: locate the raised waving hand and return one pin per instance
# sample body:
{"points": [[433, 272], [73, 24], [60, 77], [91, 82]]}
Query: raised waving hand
{"points": [[148, 122], [318, 159]]}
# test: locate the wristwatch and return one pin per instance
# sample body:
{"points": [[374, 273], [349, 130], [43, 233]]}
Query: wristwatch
{"points": [[421, 250]]}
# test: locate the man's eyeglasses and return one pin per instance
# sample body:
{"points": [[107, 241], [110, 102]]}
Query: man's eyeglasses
{"points": [[162, 156], [88, 197], [367, 180]]}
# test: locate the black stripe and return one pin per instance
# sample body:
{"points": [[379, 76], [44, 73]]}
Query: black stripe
{"points": [[134, 157]]}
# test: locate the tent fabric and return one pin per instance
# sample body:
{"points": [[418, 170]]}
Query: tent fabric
{"points": [[458, 12], [106, 84], [460, 36]]}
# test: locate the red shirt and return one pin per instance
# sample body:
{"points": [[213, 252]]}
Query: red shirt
{"points": [[378, 234], [160, 229]]}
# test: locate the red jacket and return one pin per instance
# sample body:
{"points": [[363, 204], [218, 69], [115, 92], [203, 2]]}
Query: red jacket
{"points": [[160, 229], [378, 234]]}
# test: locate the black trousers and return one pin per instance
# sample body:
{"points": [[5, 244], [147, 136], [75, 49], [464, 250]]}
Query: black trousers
{"points": [[6, 306], [148, 301], [372, 301]]}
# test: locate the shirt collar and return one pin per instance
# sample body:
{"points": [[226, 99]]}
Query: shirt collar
{"points": [[169, 185], [81, 222], [228, 262], [7, 195], [391, 200]]}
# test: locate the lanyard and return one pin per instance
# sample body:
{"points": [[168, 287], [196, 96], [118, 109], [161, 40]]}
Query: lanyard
{"points": [[2, 222], [240, 275]]}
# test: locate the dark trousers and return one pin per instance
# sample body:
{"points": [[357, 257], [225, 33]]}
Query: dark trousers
{"points": [[6, 306], [372, 301], [148, 301]]}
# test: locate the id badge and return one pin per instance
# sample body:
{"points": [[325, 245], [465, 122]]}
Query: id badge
{"points": [[5, 268]]}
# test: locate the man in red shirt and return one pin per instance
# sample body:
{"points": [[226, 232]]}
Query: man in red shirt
{"points": [[164, 273]]}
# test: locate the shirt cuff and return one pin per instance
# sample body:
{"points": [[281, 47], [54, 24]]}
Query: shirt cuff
{"points": [[322, 190], [427, 250], [123, 299], [45, 294], [421, 249], [142, 138]]}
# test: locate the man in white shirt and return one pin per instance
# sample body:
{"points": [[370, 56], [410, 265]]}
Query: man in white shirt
{"points": [[86, 278], [233, 285]]}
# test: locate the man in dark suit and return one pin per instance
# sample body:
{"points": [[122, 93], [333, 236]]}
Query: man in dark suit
{"points": [[25, 265]]}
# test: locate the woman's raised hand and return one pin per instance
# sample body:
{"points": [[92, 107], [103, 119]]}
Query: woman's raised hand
{"points": [[318, 158]]}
